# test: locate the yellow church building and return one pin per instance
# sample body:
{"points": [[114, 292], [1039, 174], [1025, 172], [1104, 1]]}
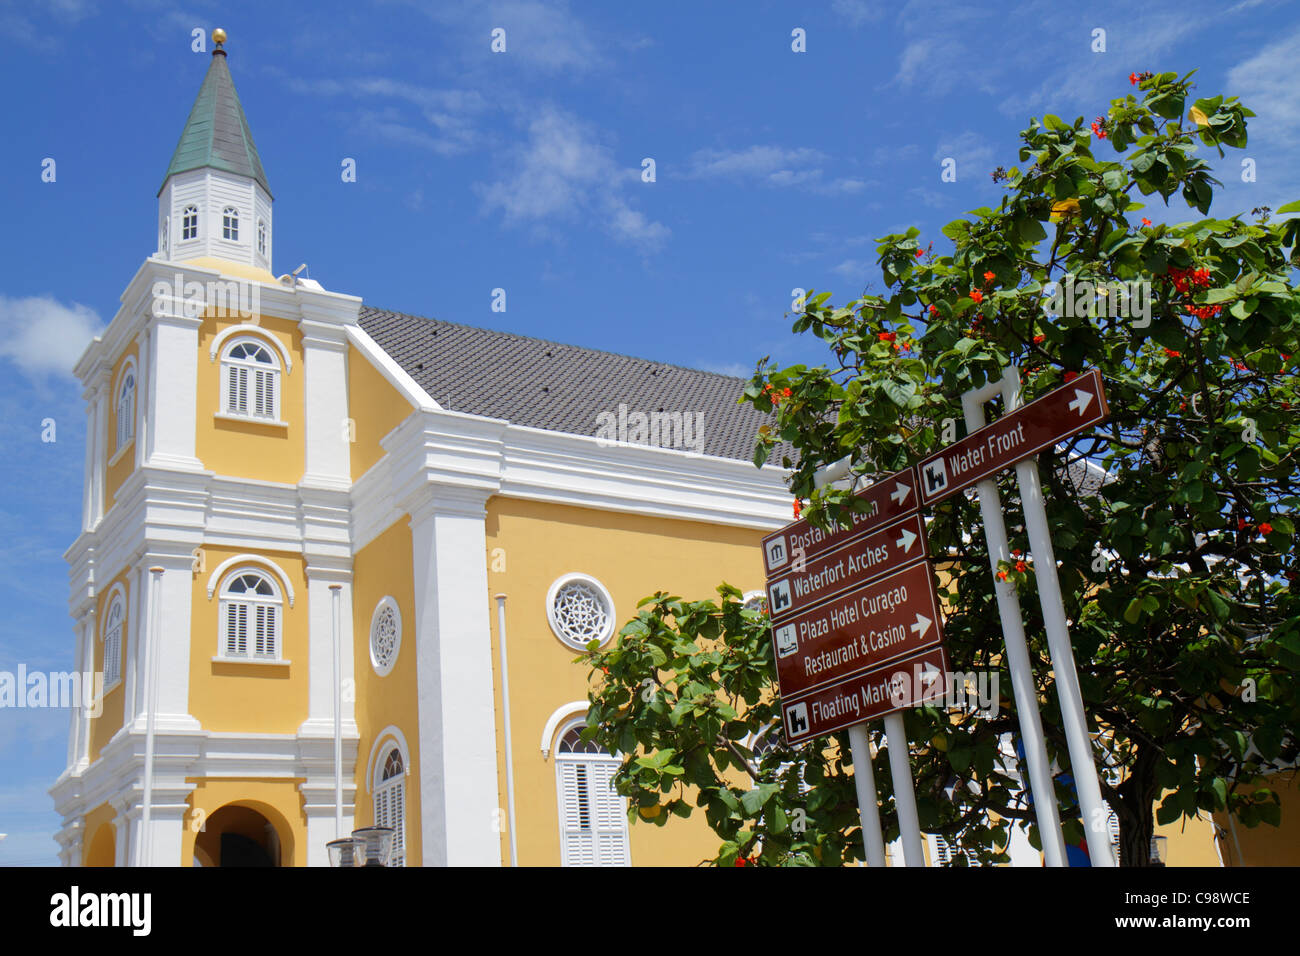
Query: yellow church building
{"points": [[277, 474]]}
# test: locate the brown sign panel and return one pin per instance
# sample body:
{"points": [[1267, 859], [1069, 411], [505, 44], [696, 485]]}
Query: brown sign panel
{"points": [[860, 629], [885, 501], [898, 685], [1062, 412], [858, 562]]}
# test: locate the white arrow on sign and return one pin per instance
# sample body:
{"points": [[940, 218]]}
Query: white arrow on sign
{"points": [[906, 541], [922, 625], [901, 492], [1081, 401], [929, 675]]}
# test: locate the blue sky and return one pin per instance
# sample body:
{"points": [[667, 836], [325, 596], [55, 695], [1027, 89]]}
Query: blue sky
{"points": [[522, 170]]}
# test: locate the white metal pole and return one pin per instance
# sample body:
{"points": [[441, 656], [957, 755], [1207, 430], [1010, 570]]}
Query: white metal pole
{"points": [[1083, 767], [151, 696], [864, 780], [335, 595], [900, 767], [505, 715], [1013, 630]]}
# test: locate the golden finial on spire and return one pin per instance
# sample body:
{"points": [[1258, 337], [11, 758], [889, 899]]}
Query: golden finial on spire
{"points": [[218, 35]]}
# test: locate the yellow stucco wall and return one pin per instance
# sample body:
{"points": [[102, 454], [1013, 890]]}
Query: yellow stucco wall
{"points": [[279, 801], [383, 569], [633, 556], [376, 407], [1266, 845], [109, 722], [99, 844], [120, 470], [248, 449], [248, 697]]}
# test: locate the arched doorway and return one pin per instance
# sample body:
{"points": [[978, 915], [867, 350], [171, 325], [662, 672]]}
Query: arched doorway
{"points": [[239, 836]]}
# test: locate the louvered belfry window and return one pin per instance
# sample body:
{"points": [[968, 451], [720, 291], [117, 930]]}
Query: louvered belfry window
{"points": [[251, 381], [593, 816], [390, 804], [250, 617]]}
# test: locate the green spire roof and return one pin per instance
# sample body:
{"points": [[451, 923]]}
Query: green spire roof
{"points": [[216, 134]]}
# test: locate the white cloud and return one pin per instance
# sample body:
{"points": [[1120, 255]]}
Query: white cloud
{"points": [[450, 114], [44, 337], [772, 166], [971, 151], [543, 35], [754, 162], [1266, 84], [563, 172], [857, 12], [851, 268]]}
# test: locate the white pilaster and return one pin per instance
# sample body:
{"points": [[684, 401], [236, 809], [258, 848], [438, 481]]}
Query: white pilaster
{"points": [[137, 635], [457, 721], [173, 397], [320, 654], [88, 516], [143, 394], [173, 657], [326, 402]]}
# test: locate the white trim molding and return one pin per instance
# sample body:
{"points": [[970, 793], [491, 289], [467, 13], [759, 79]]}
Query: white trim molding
{"points": [[558, 717], [372, 768], [256, 331], [258, 560]]}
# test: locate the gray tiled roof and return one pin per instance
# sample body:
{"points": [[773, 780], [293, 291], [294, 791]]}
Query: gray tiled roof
{"points": [[561, 388]]}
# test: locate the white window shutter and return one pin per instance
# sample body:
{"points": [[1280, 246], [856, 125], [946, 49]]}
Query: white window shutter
{"points": [[577, 838], [610, 815]]}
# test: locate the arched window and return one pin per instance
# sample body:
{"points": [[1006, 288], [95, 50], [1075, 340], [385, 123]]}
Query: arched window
{"points": [[261, 237], [593, 817], [390, 801], [112, 637], [250, 612], [190, 222], [230, 223], [126, 406], [250, 380]]}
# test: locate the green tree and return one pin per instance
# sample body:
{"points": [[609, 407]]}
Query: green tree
{"points": [[1177, 570]]}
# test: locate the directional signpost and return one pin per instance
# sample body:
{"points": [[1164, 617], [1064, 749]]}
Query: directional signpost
{"points": [[856, 623], [1020, 434]]}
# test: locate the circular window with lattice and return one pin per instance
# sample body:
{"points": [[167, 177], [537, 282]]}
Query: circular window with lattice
{"points": [[580, 610], [385, 636]]}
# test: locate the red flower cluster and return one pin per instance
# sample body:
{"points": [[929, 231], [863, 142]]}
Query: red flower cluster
{"points": [[1146, 221], [934, 310], [1204, 312], [1184, 279], [1170, 353], [1021, 566], [774, 395], [1133, 79], [797, 507], [1240, 366], [888, 336], [1265, 527], [1099, 127], [1038, 339], [988, 278], [976, 296]]}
